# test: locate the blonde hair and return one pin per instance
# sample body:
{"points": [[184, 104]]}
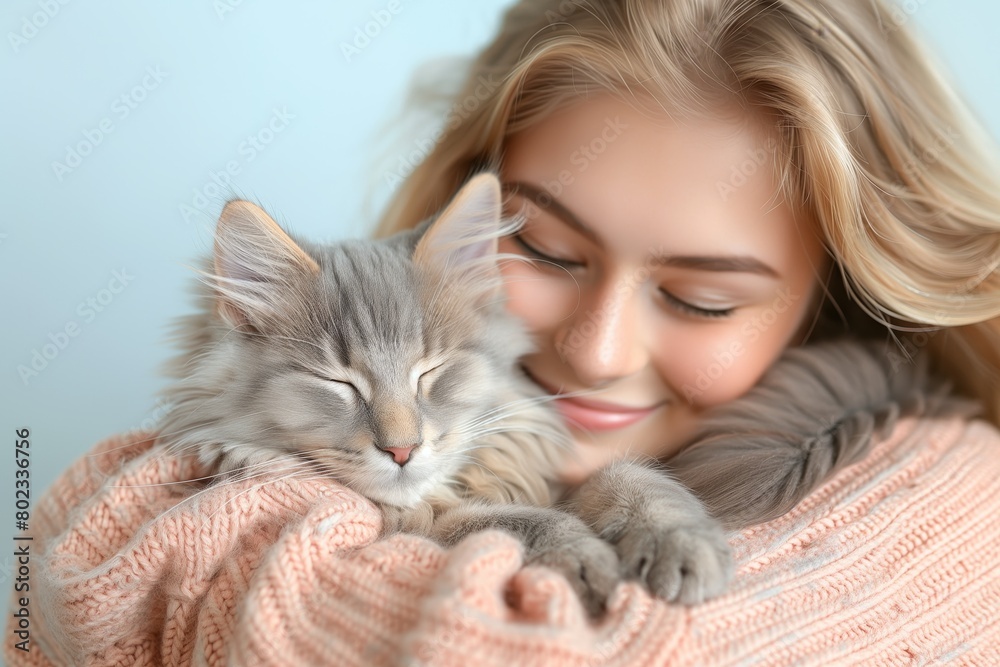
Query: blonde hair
{"points": [[873, 143]]}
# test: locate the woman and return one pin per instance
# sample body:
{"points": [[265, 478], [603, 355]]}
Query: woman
{"points": [[802, 167], [824, 121], [707, 184]]}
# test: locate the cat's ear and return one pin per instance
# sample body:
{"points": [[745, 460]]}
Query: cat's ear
{"points": [[256, 263], [462, 240]]}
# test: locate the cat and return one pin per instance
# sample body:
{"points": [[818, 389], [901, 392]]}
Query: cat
{"points": [[391, 366]]}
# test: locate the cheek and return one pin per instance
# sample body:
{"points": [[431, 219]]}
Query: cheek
{"points": [[461, 381], [459, 394], [711, 365], [539, 300]]}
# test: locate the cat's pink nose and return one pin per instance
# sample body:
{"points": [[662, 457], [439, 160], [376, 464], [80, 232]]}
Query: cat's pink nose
{"points": [[400, 454]]}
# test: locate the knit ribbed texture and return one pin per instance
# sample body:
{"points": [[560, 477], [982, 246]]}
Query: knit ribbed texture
{"points": [[894, 561]]}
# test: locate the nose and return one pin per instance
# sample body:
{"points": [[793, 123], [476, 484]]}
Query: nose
{"points": [[397, 427], [604, 341], [400, 454]]}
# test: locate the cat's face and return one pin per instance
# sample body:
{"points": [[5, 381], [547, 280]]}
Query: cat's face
{"points": [[377, 362]]}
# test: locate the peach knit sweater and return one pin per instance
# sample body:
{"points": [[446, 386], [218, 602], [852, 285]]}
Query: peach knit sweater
{"points": [[894, 561]]}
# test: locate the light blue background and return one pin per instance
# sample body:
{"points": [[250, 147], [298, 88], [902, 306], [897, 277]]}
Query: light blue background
{"points": [[225, 73]]}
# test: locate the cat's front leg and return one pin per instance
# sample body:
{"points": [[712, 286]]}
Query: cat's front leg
{"points": [[550, 537], [664, 536]]}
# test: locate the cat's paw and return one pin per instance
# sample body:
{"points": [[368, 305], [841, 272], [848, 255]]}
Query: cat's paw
{"points": [[551, 538], [679, 563], [589, 563]]}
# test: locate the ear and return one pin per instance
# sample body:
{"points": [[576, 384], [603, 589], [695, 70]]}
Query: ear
{"points": [[256, 263], [462, 241]]}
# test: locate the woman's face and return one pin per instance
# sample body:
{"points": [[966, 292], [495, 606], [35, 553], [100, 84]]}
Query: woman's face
{"points": [[670, 273]]}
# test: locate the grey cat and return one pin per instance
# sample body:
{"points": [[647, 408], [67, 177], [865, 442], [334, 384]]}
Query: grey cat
{"points": [[391, 366]]}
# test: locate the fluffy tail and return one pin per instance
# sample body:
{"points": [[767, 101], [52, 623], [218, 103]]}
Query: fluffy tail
{"points": [[816, 411]]}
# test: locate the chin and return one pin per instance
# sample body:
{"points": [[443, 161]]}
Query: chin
{"points": [[401, 488]]}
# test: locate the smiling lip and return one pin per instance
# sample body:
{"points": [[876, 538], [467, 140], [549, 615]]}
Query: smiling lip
{"points": [[594, 415]]}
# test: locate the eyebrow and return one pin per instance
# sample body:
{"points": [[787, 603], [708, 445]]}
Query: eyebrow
{"points": [[734, 263]]}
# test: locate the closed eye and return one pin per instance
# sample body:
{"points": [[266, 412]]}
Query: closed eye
{"points": [[431, 370], [423, 375], [337, 381], [696, 311], [539, 255]]}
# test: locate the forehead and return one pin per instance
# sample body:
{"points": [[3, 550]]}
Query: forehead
{"points": [[640, 180], [368, 294], [375, 300]]}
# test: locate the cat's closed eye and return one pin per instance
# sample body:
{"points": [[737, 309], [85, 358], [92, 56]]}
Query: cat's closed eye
{"points": [[343, 382], [376, 359], [344, 388], [420, 377]]}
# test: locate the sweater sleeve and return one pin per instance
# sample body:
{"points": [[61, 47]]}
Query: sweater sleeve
{"points": [[894, 560]]}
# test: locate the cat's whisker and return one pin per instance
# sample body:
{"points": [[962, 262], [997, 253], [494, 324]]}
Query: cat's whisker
{"points": [[289, 338], [493, 431], [234, 498], [552, 429], [173, 483], [509, 409], [540, 427], [334, 467], [199, 405], [173, 434], [105, 452], [224, 475], [233, 475], [266, 469], [532, 401], [542, 430], [500, 409], [179, 444], [268, 304], [229, 479]]}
